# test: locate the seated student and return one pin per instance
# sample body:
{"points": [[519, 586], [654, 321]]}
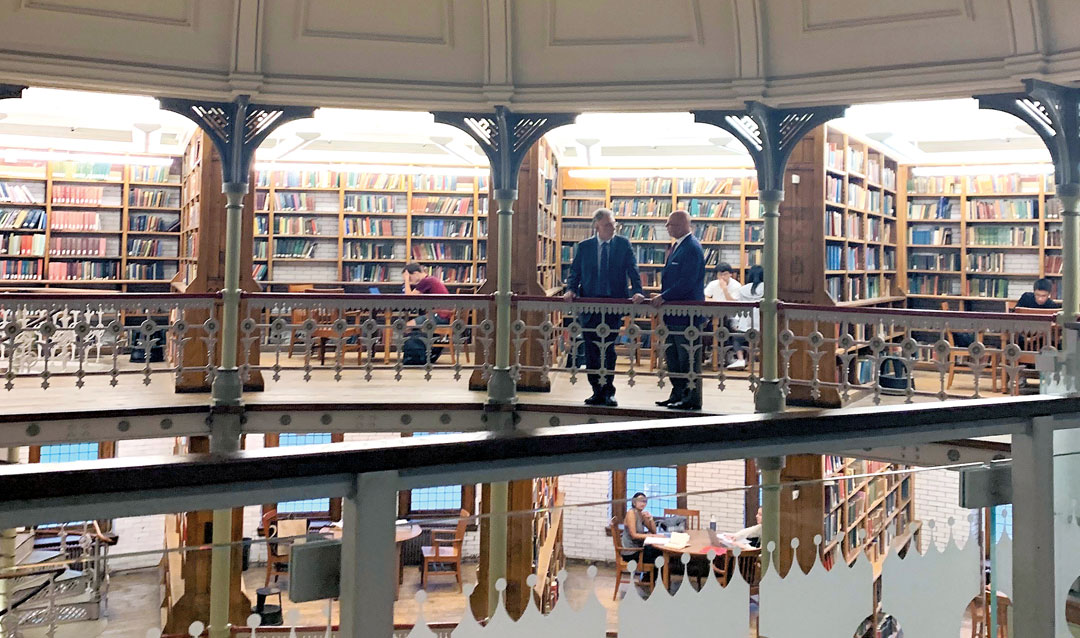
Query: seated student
{"points": [[752, 290], [749, 535], [419, 283], [638, 524], [725, 287], [1039, 297]]}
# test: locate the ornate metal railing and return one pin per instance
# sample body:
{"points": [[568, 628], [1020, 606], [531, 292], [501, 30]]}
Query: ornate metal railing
{"points": [[43, 336]]}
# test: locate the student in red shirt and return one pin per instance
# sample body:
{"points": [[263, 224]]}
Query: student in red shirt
{"points": [[419, 283]]}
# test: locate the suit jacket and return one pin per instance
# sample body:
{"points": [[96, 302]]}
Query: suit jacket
{"points": [[683, 278], [624, 279]]}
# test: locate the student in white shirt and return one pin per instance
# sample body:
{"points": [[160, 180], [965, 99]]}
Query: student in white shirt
{"points": [[725, 287], [752, 290]]}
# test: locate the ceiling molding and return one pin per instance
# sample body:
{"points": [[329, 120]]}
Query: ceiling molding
{"points": [[694, 32], [498, 43], [1026, 27], [445, 37], [749, 45], [959, 9], [185, 17]]}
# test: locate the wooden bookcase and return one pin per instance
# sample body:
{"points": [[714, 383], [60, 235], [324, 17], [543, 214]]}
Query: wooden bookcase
{"points": [[724, 210], [977, 237], [854, 506], [358, 229], [202, 253], [838, 243], [108, 225]]}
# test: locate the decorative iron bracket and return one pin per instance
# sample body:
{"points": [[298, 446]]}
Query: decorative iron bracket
{"points": [[11, 91], [770, 134], [1054, 112], [236, 128], [505, 138]]}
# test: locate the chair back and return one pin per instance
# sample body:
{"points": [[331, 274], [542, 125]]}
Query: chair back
{"points": [[693, 517], [270, 529], [462, 526], [616, 536]]}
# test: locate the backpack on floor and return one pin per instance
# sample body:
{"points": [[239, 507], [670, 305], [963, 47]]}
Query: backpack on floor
{"points": [[894, 376], [414, 352]]}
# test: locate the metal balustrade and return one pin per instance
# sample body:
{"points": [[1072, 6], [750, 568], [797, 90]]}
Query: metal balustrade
{"points": [[303, 337]]}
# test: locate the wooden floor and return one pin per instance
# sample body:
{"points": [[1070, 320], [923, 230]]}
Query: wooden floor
{"points": [[413, 388]]}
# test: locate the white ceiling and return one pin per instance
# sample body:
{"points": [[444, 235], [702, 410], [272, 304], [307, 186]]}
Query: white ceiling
{"points": [[940, 131]]}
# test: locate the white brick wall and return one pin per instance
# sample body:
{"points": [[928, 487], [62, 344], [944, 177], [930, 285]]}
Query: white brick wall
{"points": [[728, 506], [937, 498], [583, 527]]}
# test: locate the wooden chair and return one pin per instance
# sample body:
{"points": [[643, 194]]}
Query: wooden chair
{"points": [[993, 359], [622, 564], [277, 562], [324, 333], [447, 331], [445, 549], [1031, 344], [980, 611], [693, 517]]}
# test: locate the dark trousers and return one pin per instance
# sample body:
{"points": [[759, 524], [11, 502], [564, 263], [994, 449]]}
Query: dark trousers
{"points": [[593, 350], [679, 361]]}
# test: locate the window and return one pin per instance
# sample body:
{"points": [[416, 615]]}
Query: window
{"points": [[66, 452], [1003, 520], [654, 481], [310, 504], [442, 497]]}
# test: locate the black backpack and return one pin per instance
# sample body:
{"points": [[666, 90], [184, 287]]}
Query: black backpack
{"points": [[894, 377], [413, 351]]}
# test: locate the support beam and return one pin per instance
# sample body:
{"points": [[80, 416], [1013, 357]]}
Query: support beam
{"points": [[770, 135], [770, 468], [1033, 530], [368, 572]]}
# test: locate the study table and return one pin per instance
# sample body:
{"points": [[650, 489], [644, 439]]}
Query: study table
{"points": [[701, 542]]}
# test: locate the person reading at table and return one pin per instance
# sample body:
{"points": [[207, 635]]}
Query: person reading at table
{"points": [[418, 282], [638, 524], [749, 535], [1039, 297]]}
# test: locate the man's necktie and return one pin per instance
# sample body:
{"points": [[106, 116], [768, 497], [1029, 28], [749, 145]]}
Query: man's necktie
{"points": [[605, 259], [667, 254]]}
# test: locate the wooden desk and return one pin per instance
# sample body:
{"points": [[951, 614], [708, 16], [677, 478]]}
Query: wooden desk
{"points": [[402, 533], [698, 548]]}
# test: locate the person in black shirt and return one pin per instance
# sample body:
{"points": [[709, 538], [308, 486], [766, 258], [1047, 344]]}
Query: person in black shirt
{"points": [[1039, 297]]}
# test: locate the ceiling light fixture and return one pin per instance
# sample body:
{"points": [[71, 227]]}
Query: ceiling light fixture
{"points": [[16, 155]]}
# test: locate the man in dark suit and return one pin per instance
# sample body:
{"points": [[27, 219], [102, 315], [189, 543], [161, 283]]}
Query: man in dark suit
{"points": [[683, 279], [604, 266]]}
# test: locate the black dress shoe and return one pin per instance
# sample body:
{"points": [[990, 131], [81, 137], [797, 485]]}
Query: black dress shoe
{"points": [[685, 404], [610, 402], [668, 401], [595, 399]]}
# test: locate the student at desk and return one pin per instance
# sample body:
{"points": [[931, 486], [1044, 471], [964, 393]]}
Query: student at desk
{"points": [[748, 536], [1039, 297], [637, 526]]}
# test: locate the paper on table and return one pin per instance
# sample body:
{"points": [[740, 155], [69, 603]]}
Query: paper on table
{"points": [[678, 540], [656, 540]]}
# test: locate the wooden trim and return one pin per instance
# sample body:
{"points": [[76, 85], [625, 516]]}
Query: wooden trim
{"points": [[680, 486], [468, 502], [750, 477]]}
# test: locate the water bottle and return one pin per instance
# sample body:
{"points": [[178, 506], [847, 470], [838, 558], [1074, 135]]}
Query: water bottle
{"points": [[712, 522]]}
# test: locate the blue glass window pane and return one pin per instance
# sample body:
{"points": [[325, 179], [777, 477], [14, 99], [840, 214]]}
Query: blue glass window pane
{"points": [[67, 452], [310, 504], [442, 497], [653, 481]]}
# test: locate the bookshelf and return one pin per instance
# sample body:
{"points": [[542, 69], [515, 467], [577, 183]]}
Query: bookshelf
{"points": [[335, 224], [856, 506], [977, 236], [108, 225], [724, 213], [839, 236]]}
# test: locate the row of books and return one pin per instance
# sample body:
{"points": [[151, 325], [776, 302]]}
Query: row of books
{"points": [[370, 250], [716, 232], [712, 208], [946, 261], [427, 250], [293, 248], [442, 205], [292, 225], [374, 227], [856, 160], [1052, 264], [152, 197], [88, 170], [1003, 209], [834, 189], [64, 194], [638, 207], [935, 185], [288, 201], [643, 231], [375, 203], [22, 218], [83, 270], [863, 198], [153, 223], [22, 245], [642, 186], [453, 274], [157, 174], [374, 273], [933, 285], [879, 230], [935, 236], [442, 228], [988, 287], [443, 183], [79, 246], [976, 184], [650, 254], [11, 269], [76, 220], [150, 248], [1003, 236], [986, 262], [155, 271], [834, 155], [15, 193], [581, 207], [940, 209], [331, 179], [259, 272], [710, 186], [884, 175], [650, 278]]}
